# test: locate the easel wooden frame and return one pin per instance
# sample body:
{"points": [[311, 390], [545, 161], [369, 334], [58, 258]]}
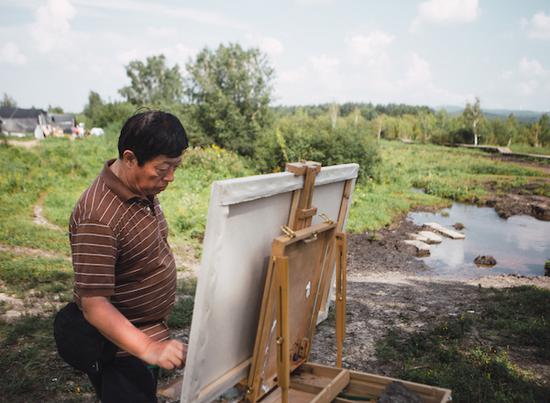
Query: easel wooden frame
{"points": [[277, 286], [221, 345]]}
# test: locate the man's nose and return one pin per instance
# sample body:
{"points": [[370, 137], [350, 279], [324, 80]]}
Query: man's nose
{"points": [[169, 176]]}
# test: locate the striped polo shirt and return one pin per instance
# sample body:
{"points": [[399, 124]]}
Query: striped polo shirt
{"points": [[120, 251]]}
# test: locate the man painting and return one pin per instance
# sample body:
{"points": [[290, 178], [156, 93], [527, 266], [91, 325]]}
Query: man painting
{"points": [[125, 274]]}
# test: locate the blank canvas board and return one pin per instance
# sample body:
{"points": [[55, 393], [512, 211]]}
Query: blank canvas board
{"points": [[244, 215]]}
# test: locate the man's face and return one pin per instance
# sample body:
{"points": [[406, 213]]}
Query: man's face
{"points": [[155, 175]]}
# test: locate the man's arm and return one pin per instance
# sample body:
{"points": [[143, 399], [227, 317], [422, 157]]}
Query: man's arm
{"points": [[101, 314]]}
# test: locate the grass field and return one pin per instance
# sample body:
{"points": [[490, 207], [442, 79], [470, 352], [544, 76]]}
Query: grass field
{"points": [[53, 175], [451, 353]]}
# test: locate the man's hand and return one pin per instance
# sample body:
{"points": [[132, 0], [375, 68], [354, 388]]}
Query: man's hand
{"points": [[112, 324], [167, 354]]}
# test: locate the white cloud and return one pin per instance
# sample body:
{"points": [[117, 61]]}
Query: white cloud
{"points": [[316, 80], [419, 71], [530, 78], [313, 2], [51, 28], [538, 27], [528, 87], [532, 67], [445, 12], [507, 75], [161, 32], [271, 46], [170, 11], [371, 45], [178, 53], [324, 65], [10, 54]]}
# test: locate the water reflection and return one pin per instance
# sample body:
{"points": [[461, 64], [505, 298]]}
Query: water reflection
{"points": [[520, 244]]}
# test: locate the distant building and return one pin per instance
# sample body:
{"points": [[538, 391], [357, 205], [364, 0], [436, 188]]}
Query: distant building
{"points": [[64, 121], [18, 121]]}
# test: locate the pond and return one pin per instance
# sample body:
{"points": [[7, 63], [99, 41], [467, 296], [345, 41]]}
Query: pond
{"points": [[520, 244]]}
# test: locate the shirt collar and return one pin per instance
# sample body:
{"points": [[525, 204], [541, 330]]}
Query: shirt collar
{"points": [[114, 183]]}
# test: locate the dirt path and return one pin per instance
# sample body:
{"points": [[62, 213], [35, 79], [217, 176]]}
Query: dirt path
{"points": [[38, 215], [23, 143]]}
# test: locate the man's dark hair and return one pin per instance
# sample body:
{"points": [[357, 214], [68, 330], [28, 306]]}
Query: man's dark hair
{"points": [[150, 134]]}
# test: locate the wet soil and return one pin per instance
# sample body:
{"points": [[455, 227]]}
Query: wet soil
{"points": [[388, 288]]}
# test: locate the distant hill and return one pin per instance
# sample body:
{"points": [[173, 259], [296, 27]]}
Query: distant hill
{"points": [[521, 115]]}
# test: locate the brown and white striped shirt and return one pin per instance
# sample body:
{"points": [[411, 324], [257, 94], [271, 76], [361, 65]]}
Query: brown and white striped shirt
{"points": [[120, 251]]}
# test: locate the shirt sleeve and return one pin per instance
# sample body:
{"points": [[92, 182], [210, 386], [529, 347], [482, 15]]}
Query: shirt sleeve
{"points": [[94, 253]]}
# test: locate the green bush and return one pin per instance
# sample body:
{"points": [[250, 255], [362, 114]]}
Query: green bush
{"points": [[301, 137]]}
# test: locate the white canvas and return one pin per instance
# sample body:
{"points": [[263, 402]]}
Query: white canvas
{"points": [[244, 216]]}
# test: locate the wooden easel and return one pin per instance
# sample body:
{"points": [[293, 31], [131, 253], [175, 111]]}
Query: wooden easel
{"points": [[317, 247]]}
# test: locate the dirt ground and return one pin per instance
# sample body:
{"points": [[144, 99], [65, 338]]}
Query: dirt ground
{"points": [[389, 288]]}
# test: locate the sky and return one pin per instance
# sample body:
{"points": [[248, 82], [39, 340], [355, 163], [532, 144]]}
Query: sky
{"points": [[433, 52]]}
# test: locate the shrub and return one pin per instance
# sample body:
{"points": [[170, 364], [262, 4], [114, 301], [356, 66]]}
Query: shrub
{"points": [[302, 137]]}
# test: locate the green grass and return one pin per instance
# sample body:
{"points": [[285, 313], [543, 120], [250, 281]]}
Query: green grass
{"points": [[524, 148], [58, 170], [445, 174], [30, 369], [447, 355], [182, 313], [44, 275]]}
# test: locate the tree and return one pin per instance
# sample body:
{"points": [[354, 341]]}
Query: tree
{"points": [[8, 101], [94, 106], [472, 116], [55, 109], [544, 124], [152, 82], [230, 89]]}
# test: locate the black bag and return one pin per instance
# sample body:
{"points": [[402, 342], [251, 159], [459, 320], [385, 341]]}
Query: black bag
{"points": [[80, 344]]}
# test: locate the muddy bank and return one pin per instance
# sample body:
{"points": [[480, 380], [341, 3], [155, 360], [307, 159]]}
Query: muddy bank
{"points": [[390, 289], [526, 199]]}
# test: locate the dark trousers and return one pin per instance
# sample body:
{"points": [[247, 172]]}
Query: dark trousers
{"points": [[125, 379]]}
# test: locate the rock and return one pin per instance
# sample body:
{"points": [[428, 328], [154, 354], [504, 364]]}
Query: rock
{"points": [[547, 268], [431, 237], [420, 248], [444, 231], [426, 237], [171, 391], [458, 226], [11, 315], [485, 261], [541, 211], [375, 236], [396, 392]]}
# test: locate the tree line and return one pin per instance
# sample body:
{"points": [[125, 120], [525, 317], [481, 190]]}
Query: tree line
{"points": [[224, 97]]}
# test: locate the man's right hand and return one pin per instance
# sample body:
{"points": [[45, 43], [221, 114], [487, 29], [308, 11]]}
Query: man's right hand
{"points": [[167, 354], [112, 324]]}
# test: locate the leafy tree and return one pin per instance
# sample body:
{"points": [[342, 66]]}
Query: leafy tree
{"points": [[301, 136], [94, 106], [230, 90], [152, 82], [55, 109], [544, 124], [8, 101], [473, 116]]}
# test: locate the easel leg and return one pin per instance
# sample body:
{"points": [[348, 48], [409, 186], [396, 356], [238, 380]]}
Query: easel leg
{"points": [[341, 280], [283, 352]]}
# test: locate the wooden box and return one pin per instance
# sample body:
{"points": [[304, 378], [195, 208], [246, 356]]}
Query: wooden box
{"points": [[315, 383]]}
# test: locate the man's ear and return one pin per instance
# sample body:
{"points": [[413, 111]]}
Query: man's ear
{"points": [[129, 159]]}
